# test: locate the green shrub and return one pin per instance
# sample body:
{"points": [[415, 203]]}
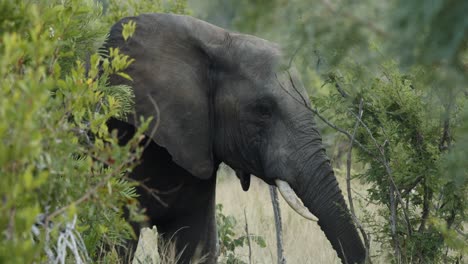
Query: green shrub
{"points": [[405, 132], [62, 174], [229, 240]]}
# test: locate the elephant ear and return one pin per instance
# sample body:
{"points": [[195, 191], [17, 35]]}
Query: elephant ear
{"points": [[171, 81]]}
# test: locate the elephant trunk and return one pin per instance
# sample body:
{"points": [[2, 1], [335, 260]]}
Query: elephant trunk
{"points": [[322, 196]]}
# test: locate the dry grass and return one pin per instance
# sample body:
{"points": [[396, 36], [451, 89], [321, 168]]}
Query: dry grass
{"points": [[304, 241]]}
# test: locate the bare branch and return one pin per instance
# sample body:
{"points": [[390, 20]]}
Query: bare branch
{"points": [[330, 124], [348, 161], [341, 90], [158, 119], [346, 133], [366, 199], [153, 192], [297, 91], [299, 47], [279, 228], [248, 237]]}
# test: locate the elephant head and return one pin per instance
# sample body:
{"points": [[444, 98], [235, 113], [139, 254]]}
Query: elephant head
{"points": [[219, 96]]}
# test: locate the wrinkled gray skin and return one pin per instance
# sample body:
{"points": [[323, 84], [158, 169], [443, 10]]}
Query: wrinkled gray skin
{"points": [[222, 97]]}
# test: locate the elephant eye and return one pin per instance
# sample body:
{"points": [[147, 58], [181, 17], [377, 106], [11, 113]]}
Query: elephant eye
{"points": [[263, 110]]}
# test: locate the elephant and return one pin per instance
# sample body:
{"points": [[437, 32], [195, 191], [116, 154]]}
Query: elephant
{"points": [[219, 96]]}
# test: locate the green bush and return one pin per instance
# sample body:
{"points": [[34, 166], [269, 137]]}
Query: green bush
{"points": [[229, 240], [405, 133], [62, 174]]}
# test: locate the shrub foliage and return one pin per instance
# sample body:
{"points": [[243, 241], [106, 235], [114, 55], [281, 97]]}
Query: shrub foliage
{"points": [[62, 173], [403, 134]]}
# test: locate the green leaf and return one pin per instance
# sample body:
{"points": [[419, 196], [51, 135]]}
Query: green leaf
{"points": [[128, 29], [124, 75]]}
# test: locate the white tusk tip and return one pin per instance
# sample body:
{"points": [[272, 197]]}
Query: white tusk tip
{"points": [[291, 198]]}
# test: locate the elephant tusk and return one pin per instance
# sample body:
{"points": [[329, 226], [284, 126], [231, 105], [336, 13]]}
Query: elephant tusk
{"points": [[291, 198]]}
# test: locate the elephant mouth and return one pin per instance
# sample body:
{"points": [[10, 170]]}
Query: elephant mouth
{"points": [[293, 200], [286, 191]]}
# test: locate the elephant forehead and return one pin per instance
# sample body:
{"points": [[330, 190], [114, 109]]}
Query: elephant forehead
{"points": [[253, 56]]}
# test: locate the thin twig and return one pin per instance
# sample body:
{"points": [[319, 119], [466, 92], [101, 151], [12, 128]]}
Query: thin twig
{"points": [[248, 237], [158, 119], [346, 133], [348, 161], [299, 47], [154, 192], [364, 198], [151, 191], [297, 91], [333, 78], [326, 121]]}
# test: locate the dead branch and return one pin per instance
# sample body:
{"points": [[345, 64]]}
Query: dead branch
{"points": [[330, 124], [279, 228], [299, 47], [153, 192], [158, 119], [249, 243], [348, 162], [333, 78]]}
